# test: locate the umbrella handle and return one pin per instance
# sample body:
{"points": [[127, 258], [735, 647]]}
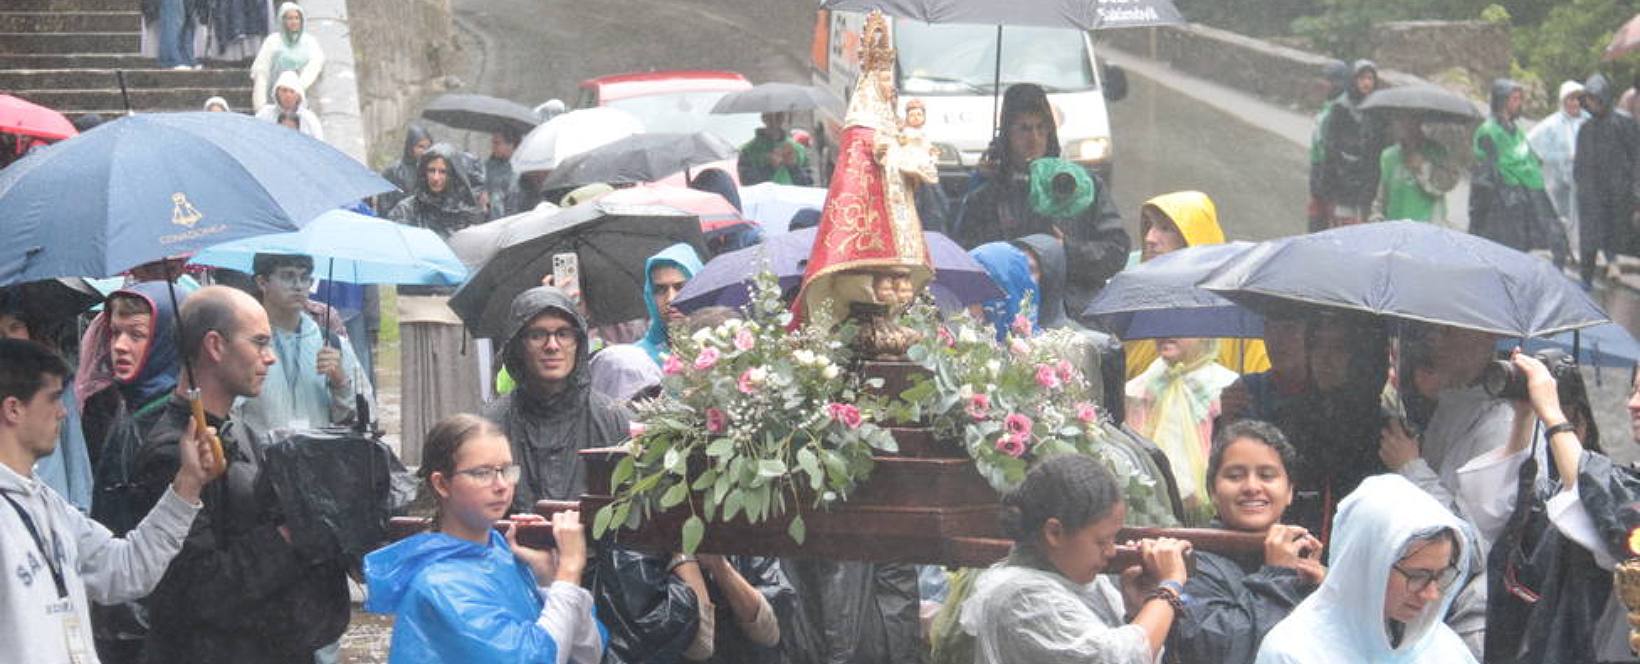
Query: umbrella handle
{"points": [[218, 458]]}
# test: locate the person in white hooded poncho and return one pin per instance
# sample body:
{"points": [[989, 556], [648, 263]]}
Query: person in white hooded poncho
{"points": [[1554, 139], [290, 99], [1394, 573], [291, 49]]}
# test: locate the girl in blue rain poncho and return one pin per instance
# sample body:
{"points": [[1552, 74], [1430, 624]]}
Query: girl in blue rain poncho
{"points": [[466, 593], [1011, 270]]}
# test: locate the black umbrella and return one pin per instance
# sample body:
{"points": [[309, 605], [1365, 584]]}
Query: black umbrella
{"points": [[771, 98], [481, 113], [611, 243], [49, 299], [1436, 104], [639, 158]]}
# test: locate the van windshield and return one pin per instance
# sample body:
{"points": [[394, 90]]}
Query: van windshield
{"points": [[961, 59]]}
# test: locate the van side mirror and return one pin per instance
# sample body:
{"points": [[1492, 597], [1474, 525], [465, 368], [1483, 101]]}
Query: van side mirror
{"points": [[1116, 82]]}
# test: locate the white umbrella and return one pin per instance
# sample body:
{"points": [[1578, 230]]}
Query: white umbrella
{"points": [[570, 134]]}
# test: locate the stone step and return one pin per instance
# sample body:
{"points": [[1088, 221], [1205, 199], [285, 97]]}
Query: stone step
{"points": [[107, 79], [109, 43], [172, 99], [74, 61], [70, 22], [70, 5]]}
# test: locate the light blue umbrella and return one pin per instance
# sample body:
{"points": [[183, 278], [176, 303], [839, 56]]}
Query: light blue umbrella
{"points": [[352, 248]]}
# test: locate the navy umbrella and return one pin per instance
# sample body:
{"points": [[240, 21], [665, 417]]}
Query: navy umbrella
{"points": [[639, 158], [1159, 298], [1411, 270], [727, 279], [481, 113], [148, 187], [1604, 345]]}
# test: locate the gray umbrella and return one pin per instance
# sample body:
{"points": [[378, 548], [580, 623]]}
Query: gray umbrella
{"points": [[611, 242], [1436, 104], [771, 98], [639, 158], [481, 113], [1080, 14]]}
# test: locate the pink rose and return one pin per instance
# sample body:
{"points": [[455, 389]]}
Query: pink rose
{"points": [[1018, 425], [1018, 346], [672, 366], [1022, 325], [1046, 377], [848, 414], [750, 379], [1067, 371], [716, 421], [979, 406], [1087, 412], [947, 338], [635, 429], [707, 358], [745, 340], [1012, 446]]}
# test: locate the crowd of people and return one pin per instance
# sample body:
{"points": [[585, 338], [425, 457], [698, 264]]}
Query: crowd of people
{"points": [[1407, 513]]}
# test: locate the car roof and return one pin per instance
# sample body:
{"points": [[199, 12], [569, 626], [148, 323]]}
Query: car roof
{"points": [[622, 86]]}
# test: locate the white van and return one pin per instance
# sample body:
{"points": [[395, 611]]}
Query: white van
{"points": [[952, 68]]}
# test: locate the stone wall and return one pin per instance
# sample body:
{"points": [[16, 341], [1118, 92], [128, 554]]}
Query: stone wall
{"points": [[1432, 49], [1276, 73], [406, 51]]}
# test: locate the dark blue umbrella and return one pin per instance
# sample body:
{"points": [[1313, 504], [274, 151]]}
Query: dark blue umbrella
{"points": [[727, 280], [161, 185], [1159, 298], [1411, 270], [1604, 345]]}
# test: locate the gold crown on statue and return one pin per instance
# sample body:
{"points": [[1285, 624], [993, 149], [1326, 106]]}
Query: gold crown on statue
{"points": [[875, 52]]}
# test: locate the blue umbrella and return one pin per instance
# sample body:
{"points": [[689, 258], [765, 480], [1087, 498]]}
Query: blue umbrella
{"points": [[359, 249], [1411, 270], [1159, 298], [161, 185], [1604, 345], [727, 279]]}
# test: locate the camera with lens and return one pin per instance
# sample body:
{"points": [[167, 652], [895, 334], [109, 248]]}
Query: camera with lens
{"points": [[1504, 380]]}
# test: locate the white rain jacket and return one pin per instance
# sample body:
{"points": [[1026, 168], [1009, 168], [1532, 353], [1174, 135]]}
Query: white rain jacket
{"points": [[1022, 614], [1343, 620], [38, 626], [310, 120]]}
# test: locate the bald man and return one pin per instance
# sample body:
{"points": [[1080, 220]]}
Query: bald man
{"points": [[238, 591]]}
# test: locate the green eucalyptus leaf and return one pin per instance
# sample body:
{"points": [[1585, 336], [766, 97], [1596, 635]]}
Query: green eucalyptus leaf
{"points": [[623, 471], [693, 530], [808, 461], [674, 496], [771, 468], [797, 530], [721, 447], [600, 524]]}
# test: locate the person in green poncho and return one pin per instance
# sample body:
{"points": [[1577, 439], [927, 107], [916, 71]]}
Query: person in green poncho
{"points": [[772, 156], [1507, 202], [1337, 76], [1414, 175]]}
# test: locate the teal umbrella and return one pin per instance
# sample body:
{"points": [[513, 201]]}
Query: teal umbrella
{"points": [[354, 249]]}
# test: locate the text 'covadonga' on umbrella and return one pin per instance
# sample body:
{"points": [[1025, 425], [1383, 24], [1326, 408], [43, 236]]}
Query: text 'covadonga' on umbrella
{"points": [[153, 186]]}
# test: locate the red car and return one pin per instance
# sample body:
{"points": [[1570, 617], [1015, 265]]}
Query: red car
{"points": [[676, 102]]}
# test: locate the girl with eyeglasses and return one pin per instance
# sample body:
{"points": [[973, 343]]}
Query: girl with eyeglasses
{"points": [[466, 593], [1394, 573]]}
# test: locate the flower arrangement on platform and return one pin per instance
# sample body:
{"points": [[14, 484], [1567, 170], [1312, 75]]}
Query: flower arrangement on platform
{"points": [[756, 418], [1008, 403]]}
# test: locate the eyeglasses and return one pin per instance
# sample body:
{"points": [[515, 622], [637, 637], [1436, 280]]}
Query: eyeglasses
{"points": [[487, 474], [262, 342], [564, 335], [1419, 579]]}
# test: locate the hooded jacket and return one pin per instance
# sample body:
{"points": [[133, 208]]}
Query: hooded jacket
{"points": [[683, 257], [444, 212], [456, 601], [547, 430], [1008, 267], [1198, 221], [310, 120], [1605, 165], [1343, 620], [96, 566], [1501, 143], [284, 51], [294, 394], [1351, 141], [156, 374], [402, 173]]}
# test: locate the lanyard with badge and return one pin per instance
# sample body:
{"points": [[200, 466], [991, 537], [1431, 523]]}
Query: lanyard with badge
{"points": [[53, 557]]}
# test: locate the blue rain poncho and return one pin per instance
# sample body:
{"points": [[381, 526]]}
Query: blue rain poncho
{"points": [[456, 601], [682, 257]]}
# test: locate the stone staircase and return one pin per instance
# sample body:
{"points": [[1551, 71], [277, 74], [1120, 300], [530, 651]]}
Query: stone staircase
{"points": [[66, 55]]}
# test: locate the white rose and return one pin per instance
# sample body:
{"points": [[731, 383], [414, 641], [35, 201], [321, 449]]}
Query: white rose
{"points": [[757, 375], [702, 335], [966, 392], [830, 372], [803, 356], [993, 367], [967, 336]]}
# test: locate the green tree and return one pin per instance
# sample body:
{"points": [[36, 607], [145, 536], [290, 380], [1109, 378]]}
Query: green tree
{"points": [[1571, 39]]}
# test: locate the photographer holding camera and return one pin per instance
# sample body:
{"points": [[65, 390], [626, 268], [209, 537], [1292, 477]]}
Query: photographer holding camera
{"points": [[1559, 519]]}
